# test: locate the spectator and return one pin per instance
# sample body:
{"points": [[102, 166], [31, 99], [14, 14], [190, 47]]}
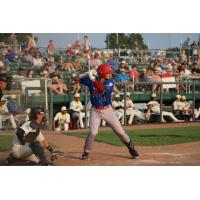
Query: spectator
{"points": [[15, 109], [5, 114], [29, 74], [57, 79], [75, 86], [196, 70], [76, 109], [154, 106], [96, 61], [133, 74], [55, 87], [86, 43], [37, 61], [20, 74], [62, 120], [28, 57], [30, 43], [122, 77], [13, 39], [12, 55], [112, 62], [51, 48]]}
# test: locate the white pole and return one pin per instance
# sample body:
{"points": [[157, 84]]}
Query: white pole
{"points": [[78, 36], [117, 39]]}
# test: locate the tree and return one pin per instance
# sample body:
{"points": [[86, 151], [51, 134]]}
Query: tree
{"points": [[116, 40], [125, 40]]}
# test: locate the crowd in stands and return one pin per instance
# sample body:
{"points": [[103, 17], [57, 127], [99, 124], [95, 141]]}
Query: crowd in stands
{"points": [[57, 65]]}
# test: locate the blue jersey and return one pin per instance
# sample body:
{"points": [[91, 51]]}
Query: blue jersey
{"points": [[99, 99]]}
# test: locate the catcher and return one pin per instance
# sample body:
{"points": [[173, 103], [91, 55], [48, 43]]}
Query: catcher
{"points": [[29, 143]]}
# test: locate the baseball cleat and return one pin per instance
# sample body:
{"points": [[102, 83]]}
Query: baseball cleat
{"points": [[133, 153], [11, 160], [84, 156], [131, 149]]}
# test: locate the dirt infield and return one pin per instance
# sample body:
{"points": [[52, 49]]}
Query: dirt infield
{"points": [[110, 155]]}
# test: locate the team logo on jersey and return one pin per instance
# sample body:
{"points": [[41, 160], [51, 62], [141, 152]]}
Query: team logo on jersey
{"points": [[110, 84]]}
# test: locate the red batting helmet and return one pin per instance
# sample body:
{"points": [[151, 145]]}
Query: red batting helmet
{"points": [[104, 69]]}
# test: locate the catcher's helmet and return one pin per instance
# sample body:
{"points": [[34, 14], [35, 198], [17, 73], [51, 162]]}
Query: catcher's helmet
{"points": [[35, 111], [104, 69], [7, 79]]}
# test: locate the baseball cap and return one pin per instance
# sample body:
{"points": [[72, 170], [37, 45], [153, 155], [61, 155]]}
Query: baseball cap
{"points": [[63, 108], [77, 95], [153, 95], [178, 96], [183, 98], [13, 96], [128, 94], [117, 96]]}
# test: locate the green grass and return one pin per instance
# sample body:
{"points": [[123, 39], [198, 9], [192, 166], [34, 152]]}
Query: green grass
{"points": [[149, 137], [5, 143]]}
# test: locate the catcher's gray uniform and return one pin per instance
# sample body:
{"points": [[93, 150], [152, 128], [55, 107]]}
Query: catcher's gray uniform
{"points": [[24, 151]]}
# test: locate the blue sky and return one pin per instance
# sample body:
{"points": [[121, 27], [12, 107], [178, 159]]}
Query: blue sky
{"points": [[155, 40]]}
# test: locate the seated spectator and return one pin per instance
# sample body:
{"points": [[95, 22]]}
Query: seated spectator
{"points": [[96, 61], [75, 86], [157, 79], [182, 69], [133, 74], [37, 61], [143, 78], [14, 108], [20, 74], [12, 56], [30, 43], [29, 74], [76, 109], [57, 79], [5, 114], [124, 65], [118, 107], [28, 57], [196, 70], [154, 106], [62, 120], [55, 87], [69, 52], [112, 62], [131, 111], [121, 76]]}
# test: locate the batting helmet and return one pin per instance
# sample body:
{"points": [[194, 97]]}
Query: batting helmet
{"points": [[104, 69], [7, 79], [35, 111]]}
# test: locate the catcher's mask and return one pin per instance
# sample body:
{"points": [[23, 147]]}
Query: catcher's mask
{"points": [[36, 111]]}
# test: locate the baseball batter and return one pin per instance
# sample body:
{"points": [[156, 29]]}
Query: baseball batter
{"points": [[100, 93]]}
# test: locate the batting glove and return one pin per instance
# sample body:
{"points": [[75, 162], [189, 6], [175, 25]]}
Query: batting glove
{"points": [[92, 74]]}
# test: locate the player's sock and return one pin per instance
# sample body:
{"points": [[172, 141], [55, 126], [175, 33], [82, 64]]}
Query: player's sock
{"points": [[131, 149]]}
